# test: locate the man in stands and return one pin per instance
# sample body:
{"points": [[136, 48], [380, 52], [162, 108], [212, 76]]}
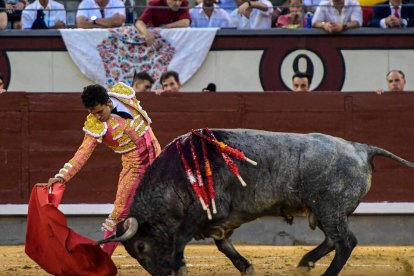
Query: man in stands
{"points": [[396, 82], [393, 14], [3, 15], [163, 14], [209, 15], [301, 82], [256, 14], [44, 14], [100, 14], [14, 10], [170, 82], [142, 82], [335, 16]]}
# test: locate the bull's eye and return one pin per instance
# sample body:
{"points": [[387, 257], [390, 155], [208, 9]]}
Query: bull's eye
{"points": [[141, 247]]}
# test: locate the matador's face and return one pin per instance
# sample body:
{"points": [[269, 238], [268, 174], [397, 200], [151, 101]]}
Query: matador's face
{"points": [[102, 112]]}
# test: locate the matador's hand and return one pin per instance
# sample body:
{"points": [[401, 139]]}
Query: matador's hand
{"points": [[55, 180]]}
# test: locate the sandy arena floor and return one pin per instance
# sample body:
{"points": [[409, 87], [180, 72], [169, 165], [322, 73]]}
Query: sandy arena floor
{"points": [[268, 260]]}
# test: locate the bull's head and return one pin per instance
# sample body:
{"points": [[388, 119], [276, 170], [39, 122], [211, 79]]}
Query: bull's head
{"points": [[143, 242]]}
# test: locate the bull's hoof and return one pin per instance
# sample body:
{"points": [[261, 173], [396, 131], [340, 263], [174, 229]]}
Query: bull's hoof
{"points": [[181, 272], [309, 265], [249, 271]]}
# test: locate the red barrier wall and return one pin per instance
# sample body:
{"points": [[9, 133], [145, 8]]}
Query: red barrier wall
{"points": [[41, 131]]}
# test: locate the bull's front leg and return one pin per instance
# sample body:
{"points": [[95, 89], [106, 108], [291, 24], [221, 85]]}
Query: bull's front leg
{"points": [[196, 217], [243, 265]]}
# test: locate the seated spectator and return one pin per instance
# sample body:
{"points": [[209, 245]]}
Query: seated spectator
{"points": [[367, 13], [301, 82], [208, 15], [211, 87], [2, 89], [280, 7], [256, 14], [142, 82], [164, 14], [14, 12], [3, 15], [44, 14], [311, 5], [170, 82], [227, 5], [100, 14], [393, 14], [396, 82], [336, 16], [294, 19]]}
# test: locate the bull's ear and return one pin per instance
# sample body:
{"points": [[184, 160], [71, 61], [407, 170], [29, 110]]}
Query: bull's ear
{"points": [[145, 229]]}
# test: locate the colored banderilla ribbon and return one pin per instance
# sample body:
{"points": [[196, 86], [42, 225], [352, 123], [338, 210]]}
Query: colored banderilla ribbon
{"points": [[200, 193], [225, 151], [206, 193]]}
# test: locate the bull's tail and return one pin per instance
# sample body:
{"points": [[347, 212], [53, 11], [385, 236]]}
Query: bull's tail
{"points": [[373, 151]]}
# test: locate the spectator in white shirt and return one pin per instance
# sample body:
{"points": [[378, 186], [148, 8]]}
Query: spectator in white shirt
{"points": [[100, 14], [311, 5], [208, 15], [54, 14], [255, 14], [335, 16]]}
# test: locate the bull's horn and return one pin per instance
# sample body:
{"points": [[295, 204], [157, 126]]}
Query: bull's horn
{"points": [[130, 226]]}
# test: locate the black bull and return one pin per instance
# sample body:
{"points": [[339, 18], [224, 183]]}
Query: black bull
{"points": [[317, 174]]}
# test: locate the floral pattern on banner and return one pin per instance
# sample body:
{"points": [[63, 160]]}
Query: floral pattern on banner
{"points": [[125, 51]]}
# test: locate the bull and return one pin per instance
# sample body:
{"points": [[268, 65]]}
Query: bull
{"points": [[319, 175]]}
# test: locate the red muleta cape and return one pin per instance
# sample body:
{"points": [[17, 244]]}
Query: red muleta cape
{"points": [[55, 247]]}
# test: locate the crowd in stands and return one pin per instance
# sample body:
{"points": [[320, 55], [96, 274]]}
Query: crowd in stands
{"points": [[301, 82], [329, 15]]}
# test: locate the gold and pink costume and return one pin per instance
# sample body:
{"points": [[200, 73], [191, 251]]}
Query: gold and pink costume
{"points": [[132, 138]]}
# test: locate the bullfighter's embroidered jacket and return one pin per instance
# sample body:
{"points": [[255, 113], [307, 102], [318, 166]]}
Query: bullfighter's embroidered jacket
{"points": [[119, 134]]}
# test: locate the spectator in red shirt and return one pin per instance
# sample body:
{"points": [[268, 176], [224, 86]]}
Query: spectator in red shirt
{"points": [[174, 15]]}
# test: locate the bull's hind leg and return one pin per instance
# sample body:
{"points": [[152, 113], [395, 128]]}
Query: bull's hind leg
{"points": [[243, 265], [313, 256], [336, 229]]}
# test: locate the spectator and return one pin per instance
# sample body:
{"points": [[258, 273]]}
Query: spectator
{"points": [[256, 14], [2, 89], [227, 5], [311, 5], [294, 19], [44, 14], [393, 14], [142, 82], [165, 14], [301, 82], [170, 82], [336, 16], [14, 10], [3, 15], [208, 15], [100, 14], [211, 87], [395, 80]]}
